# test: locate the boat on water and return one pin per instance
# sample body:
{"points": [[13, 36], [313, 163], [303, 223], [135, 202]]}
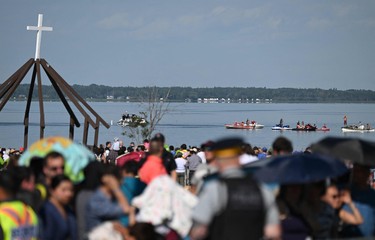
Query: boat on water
{"points": [[129, 120], [324, 128], [250, 126], [279, 127], [306, 128], [358, 128]]}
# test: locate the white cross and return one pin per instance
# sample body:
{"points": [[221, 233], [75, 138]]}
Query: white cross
{"points": [[39, 28]]}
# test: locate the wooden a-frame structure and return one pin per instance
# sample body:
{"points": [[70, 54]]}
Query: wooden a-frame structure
{"points": [[62, 88]]}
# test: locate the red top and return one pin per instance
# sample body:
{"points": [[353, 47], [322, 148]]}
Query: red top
{"points": [[152, 168]]}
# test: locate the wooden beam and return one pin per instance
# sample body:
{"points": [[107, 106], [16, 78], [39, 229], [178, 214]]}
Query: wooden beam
{"points": [[85, 132], [5, 86], [71, 128], [57, 78], [77, 95], [96, 136], [27, 110], [17, 82], [63, 100], [40, 96]]}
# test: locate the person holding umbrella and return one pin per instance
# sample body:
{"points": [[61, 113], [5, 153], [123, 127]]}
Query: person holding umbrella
{"points": [[361, 154], [301, 177]]}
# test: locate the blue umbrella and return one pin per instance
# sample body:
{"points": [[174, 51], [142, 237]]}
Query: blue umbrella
{"points": [[300, 168]]}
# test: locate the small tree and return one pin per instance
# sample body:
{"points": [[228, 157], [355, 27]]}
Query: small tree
{"points": [[156, 106]]}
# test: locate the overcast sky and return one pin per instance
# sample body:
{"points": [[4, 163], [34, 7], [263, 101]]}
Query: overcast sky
{"points": [[197, 43]]}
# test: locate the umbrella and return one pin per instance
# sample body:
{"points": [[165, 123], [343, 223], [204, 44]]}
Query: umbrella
{"points": [[122, 159], [356, 150], [76, 156], [299, 169]]}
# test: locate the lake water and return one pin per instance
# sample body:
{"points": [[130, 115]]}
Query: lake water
{"points": [[194, 123]]}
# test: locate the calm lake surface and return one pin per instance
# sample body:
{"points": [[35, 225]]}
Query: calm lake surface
{"points": [[194, 123]]}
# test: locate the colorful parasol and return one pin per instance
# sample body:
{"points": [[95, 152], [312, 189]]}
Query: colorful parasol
{"points": [[76, 156]]}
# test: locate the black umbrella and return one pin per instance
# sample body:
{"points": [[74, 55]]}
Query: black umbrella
{"points": [[300, 168], [356, 150]]}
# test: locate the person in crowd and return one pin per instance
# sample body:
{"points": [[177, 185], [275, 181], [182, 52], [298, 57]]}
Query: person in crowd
{"points": [[202, 155], [183, 149], [180, 170], [171, 150], [116, 144], [2, 161], [108, 202], [153, 165], [192, 163], [303, 215], [204, 170], [364, 199], [107, 149], [167, 157], [146, 144], [248, 155], [57, 219], [113, 151], [293, 223], [131, 186], [27, 193], [92, 172], [14, 156], [234, 206], [262, 153], [319, 214], [337, 199], [282, 146], [13, 211], [53, 165]]}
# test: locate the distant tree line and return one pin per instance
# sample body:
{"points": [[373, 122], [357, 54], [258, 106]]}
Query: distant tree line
{"points": [[95, 92]]}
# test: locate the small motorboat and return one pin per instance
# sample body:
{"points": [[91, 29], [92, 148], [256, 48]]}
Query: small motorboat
{"points": [[358, 128], [250, 126], [279, 127]]}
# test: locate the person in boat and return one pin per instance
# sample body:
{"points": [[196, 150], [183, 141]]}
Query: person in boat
{"points": [[345, 120], [281, 122], [324, 126], [303, 124], [247, 122], [298, 125], [368, 127]]}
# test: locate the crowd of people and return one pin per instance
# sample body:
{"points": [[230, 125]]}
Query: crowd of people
{"points": [[156, 191]]}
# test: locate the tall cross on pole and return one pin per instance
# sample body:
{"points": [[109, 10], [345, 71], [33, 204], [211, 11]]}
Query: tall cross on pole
{"points": [[39, 28]]}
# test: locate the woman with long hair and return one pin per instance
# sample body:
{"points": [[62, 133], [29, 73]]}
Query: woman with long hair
{"points": [[58, 220]]}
